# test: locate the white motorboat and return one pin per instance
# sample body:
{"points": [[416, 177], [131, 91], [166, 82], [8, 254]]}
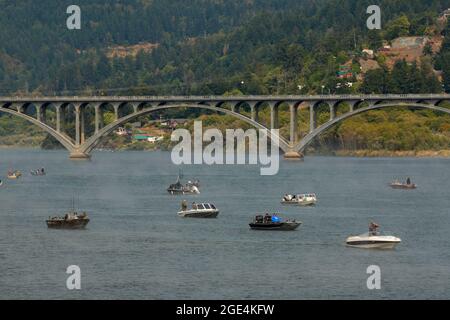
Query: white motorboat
{"points": [[199, 210], [373, 241], [307, 199]]}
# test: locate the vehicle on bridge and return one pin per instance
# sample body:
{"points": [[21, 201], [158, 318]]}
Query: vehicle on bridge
{"points": [[307, 199], [273, 222], [199, 210]]}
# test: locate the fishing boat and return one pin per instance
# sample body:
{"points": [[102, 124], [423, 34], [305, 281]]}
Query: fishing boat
{"points": [[273, 222], [408, 185], [71, 220], [38, 172], [13, 175], [307, 199], [373, 239], [198, 210], [188, 188]]}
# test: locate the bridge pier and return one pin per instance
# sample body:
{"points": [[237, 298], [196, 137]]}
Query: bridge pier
{"points": [[273, 115], [292, 155], [98, 117], [332, 105], [116, 111], [254, 111], [58, 117], [76, 155], [312, 117], [77, 124], [293, 124], [82, 125]]}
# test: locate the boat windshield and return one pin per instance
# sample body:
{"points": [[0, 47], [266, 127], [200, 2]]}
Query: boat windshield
{"points": [[207, 206], [200, 206]]}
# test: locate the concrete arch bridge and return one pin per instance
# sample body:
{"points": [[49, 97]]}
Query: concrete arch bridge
{"points": [[126, 109]]}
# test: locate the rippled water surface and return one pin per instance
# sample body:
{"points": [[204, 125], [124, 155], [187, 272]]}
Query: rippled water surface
{"points": [[136, 247]]}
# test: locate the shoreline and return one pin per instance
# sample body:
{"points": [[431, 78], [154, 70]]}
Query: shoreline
{"points": [[339, 153], [393, 154]]}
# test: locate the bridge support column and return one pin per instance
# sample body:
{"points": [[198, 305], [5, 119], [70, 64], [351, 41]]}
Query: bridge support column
{"points": [[98, 117], [82, 126], [273, 116], [254, 111], [77, 124], [293, 124], [352, 105], [333, 106], [135, 107], [58, 117], [116, 111], [17, 106], [38, 112], [312, 117]]}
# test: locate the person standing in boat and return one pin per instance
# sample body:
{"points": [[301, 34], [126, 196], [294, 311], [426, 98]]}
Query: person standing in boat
{"points": [[184, 205], [408, 181], [373, 228]]}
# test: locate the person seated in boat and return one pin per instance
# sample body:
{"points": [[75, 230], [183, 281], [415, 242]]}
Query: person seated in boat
{"points": [[184, 205], [287, 197], [373, 228], [42, 171], [267, 218], [194, 206]]}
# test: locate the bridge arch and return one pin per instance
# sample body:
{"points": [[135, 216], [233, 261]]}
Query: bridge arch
{"points": [[65, 141], [90, 143], [301, 146]]}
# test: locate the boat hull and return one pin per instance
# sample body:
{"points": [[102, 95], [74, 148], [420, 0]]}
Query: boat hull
{"points": [[299, 203], [199, 215], [373, 242], [403, 186], [70, 225], [382, 246], [180, 192], [282, 226]]}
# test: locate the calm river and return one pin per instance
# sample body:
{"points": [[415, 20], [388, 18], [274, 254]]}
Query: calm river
{"points": [[136, 247]]}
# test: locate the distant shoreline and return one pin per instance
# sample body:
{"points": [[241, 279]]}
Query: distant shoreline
{"points": [[391, 154]]}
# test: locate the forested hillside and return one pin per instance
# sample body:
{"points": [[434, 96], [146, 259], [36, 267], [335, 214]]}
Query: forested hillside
{"points": [[222, 46]]}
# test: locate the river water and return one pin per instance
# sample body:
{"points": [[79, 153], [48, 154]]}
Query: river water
{"points": [[136, 247]]}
